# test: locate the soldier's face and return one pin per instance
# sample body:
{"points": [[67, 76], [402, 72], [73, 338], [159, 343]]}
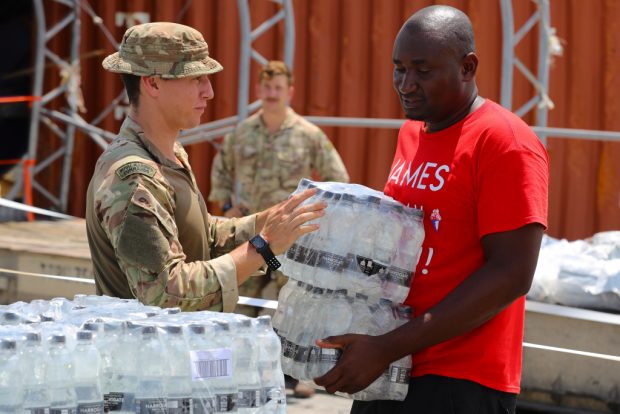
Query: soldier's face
{"points": [[185, 100], [275, 93]]}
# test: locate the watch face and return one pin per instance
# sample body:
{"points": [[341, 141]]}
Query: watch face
{"points": [[258, 242]]}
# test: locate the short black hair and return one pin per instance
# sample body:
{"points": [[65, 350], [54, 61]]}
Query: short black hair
{"points": [[132, 87]]}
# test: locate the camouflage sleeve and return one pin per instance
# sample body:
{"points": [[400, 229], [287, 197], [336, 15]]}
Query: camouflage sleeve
{"points": [[139, 220], [327, 161], [226, 234], [222, 171]]}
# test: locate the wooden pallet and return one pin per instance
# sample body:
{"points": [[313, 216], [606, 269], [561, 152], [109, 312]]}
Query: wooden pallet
{"points": [[47, 248]]}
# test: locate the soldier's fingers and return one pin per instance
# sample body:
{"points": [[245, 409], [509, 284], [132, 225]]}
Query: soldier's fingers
{"points": [[306, 217], [319, 205], [308, 228], [298, 198]]}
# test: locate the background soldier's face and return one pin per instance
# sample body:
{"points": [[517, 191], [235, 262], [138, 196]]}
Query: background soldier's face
{"points": [[275, 93]]}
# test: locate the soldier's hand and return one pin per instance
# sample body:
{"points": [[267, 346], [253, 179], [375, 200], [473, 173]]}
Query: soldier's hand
{"points": [[286, 221]]}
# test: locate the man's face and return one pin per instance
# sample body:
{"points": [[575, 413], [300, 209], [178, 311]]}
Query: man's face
{"points": [[427, 77], [275, 93], [185, 100]]}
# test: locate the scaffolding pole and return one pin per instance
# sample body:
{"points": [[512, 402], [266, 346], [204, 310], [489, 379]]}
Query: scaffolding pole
{"points": [[71, 69], [247, 52], [540, 81]]}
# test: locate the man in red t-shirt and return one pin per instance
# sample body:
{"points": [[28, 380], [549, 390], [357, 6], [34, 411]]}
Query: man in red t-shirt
{"points": [[480, 174]]}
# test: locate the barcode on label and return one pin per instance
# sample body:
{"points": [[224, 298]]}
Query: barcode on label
{"points": [[210, 369], [212, 363]]}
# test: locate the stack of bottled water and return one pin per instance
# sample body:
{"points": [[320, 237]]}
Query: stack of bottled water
{"points": [[351, 275], [98, 354]]}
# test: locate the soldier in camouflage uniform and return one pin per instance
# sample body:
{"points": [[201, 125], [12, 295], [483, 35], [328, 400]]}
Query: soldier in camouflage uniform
{"points": [[263, 159], [150, 234]]}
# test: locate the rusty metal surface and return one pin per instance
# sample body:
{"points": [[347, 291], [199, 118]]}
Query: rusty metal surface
{"points": [[343, 68]]}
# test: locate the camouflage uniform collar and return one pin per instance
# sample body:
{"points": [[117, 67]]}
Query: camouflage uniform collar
{"points": [[289, 121], [133, 131]]}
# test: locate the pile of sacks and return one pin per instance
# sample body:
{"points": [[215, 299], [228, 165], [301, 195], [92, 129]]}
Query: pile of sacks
{"points": [[580, 273]]}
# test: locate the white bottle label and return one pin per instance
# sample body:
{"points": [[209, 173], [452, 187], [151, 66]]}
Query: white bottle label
{"points": [[212, 363]]}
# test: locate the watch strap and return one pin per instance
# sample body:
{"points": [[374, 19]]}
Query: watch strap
{"points": [[266, 252]]}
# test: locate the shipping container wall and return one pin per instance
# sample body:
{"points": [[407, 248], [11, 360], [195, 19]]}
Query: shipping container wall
{"points": [[343, 67]]}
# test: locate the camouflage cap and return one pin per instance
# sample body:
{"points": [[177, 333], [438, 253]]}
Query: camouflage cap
{"points": [[169, 50]]}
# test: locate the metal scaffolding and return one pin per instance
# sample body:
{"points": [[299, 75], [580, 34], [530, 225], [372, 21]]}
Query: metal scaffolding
{"points": [[42, 113], [540, 81], [41, 106]]}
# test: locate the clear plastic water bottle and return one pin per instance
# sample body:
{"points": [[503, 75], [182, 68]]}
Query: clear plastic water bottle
{"points": [[286, 304], [389, 217], [334, 244], [383, 319], [285, 292], [211, 356], [178, 379], [285, 324], [245, 363], [397, 379], [362, 316], [87, 380], [222, 364], [151, 358], [344, 219], [273, 393], [203, 395], [11, 389], [400, 273], [33, 357], [119, 367], [60, 377], [336, 315], [304, 333]]}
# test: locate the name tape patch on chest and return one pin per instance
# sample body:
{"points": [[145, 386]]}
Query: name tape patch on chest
{"points": [[135, 167]]}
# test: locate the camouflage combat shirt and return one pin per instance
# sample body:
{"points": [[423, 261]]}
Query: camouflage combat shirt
{"points": [[149, 231], [258, 170]]}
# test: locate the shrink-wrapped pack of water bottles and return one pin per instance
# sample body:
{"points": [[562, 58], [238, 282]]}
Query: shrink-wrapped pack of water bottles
{"points": [[96, 354], [350, 276]]}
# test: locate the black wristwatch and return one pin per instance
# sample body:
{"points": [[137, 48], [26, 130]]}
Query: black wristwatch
{"points": [[227, 206], [262, 247]]}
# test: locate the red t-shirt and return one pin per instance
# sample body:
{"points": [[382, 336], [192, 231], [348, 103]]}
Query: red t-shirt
{"points": [[487, 173]]}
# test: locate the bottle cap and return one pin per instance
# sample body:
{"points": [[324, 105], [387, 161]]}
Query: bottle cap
{"points": [[33, 337], [58, 339], [84, 335], [244, 322], [197, 328], [174, 329], [148, 330], [221, 325], [90, 326], [8, 344], [264, 320]]}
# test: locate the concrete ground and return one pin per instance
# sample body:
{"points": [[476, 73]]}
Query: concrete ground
{"points": [[321, 402]]}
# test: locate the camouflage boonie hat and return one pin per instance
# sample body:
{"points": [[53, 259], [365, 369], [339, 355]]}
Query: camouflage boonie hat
{"points": [[169, 50]]}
